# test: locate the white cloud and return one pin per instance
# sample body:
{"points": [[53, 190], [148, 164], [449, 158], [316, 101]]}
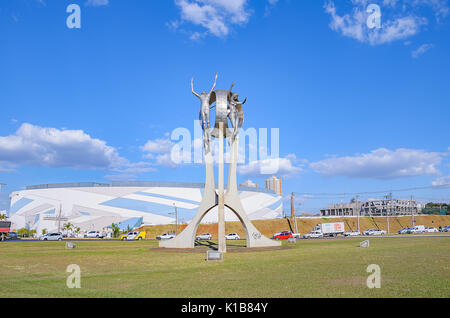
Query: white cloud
{"points": [[97, 3], [159, 150], [381, 164], [269, 6], [51, 147], [130, 171], [421, 50], [283, 167], [400, 19], [158, 146], [442, 181], [214, 16]]}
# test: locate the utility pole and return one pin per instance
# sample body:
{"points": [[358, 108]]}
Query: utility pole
{"points": [[57, 218], [412, 212], [357, 212], [293, 216], [176, 218], [388, 211]]}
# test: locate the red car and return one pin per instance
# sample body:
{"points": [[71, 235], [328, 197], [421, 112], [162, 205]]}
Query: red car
{"points": [[284, 235]]}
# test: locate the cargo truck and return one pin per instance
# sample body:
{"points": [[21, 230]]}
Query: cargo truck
{"points": [[5, 228], [329, 229]]}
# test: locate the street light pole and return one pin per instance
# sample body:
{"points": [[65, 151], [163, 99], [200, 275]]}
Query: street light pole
{"points": [[176, 220]]}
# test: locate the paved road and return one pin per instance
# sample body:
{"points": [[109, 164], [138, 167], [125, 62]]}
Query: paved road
{"points": [[325, 238]]}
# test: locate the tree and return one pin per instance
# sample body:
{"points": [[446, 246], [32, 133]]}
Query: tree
{"points": [[68, 227], [115, 230], [44, 231], [23, 232]]}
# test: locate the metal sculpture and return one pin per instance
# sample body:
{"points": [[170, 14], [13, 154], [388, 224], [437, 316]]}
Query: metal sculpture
{"points": [[204, 114], [228, 107]]}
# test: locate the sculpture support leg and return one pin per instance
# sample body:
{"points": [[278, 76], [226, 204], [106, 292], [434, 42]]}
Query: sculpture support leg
{"points": [[221, 210], [233, 202], [186, 239]]}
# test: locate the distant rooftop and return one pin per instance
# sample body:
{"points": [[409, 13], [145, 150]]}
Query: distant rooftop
{"points": [[149, 184]]}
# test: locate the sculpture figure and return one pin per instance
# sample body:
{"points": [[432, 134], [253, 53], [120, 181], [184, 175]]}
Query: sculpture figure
{"points": [[235, 113], [205, 113]]}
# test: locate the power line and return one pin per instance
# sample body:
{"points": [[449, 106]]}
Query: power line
{"points": [[375, 192]]}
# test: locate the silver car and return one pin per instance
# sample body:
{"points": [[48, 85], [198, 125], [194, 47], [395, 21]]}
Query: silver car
{"points": [[51, 237], [205, 236]]}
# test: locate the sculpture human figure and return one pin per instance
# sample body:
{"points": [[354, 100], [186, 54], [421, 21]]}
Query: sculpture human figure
{"points": [[204, 114], [233, 112]]}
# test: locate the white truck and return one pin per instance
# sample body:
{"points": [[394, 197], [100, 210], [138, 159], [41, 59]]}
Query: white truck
{"points": [[330, 229], [417, 229]]}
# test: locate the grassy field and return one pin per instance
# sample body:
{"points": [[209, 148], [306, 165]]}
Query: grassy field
{"points": [[410, 267]]}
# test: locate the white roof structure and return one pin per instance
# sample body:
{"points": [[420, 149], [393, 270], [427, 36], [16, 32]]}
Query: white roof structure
{"points": [[94, 206]]}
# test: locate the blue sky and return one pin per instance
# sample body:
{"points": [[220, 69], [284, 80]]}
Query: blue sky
{"points": [[358, 109]]}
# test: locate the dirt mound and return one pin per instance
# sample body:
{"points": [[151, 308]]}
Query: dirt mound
{"points": [[305, 225]]}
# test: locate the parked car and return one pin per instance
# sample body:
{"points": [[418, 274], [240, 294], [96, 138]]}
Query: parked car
{"points": [[313, 234], [431, 230], [94, 234], [284, 235], [416, 229], [446, 228], [124, 236], [165, 236], [133, 236], [374, 232], [51, 237], [403, 230], [232, 236], [296, 235], [352, 233], [204, 236], [12, 236]]}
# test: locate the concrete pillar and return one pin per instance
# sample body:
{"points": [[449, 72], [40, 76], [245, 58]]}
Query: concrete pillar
{"points": [[221, 208]]}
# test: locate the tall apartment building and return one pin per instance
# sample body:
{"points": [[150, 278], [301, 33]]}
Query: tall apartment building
{"points": [[274, 184]]}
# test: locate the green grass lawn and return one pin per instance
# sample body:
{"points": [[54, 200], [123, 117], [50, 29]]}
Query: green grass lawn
{"points": [[410, 267]]}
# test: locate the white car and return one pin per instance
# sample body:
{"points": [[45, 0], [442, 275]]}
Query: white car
{"points": [[51, 237], [296, 235], [93, 234], [430, 230], [374, 232], [165, 236], [313, 234], [232, 236], [205, 236], [352, 233]]}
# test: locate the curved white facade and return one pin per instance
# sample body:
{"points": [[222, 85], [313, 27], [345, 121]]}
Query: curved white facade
{"points": [[93, 206]]}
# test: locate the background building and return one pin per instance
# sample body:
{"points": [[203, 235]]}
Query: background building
{"points": [[388, 206], [274, 184], [249, 184], [93, 206]]}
